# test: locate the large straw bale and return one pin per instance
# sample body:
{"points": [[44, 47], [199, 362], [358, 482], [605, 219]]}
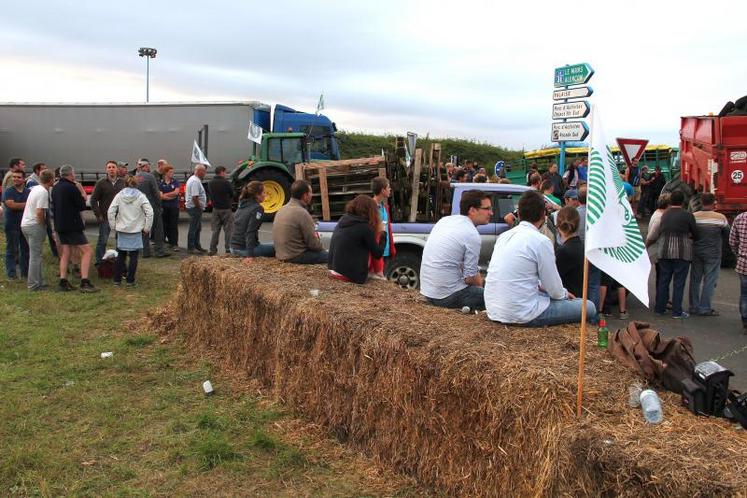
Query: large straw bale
{"points": [[462, 404]]}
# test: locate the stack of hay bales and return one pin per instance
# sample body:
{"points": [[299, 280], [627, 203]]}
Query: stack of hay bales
{"points": [[463, 404]]}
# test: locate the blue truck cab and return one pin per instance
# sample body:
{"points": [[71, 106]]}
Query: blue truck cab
{"points": [[318, 128]]}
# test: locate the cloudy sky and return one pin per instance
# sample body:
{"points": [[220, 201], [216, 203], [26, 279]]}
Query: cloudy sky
{"points": [[472, 69]]}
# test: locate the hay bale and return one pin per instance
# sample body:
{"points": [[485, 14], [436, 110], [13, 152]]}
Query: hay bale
{"points": [[459, 402]]}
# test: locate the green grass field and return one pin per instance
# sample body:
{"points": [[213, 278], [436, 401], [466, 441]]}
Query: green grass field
{"points": [[138, 424]]}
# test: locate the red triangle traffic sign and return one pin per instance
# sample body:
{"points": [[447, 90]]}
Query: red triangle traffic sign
{"points": [[631, 148]]}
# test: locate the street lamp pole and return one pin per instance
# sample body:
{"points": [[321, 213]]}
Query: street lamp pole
{"points": [[148, 53]]}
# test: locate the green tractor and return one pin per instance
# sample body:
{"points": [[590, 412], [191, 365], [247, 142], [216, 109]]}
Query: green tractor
{"points": [[274, 165]]}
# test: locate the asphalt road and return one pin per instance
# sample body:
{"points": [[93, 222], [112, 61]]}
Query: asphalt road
{"points": [[712, 337]]}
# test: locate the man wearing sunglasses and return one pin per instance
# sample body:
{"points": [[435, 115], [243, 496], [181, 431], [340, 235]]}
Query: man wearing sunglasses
{"points": [[449, 275]]}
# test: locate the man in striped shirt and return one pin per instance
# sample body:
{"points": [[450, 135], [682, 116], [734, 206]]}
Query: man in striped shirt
{"points": [[738, 243], [712, 228], [677, 231]]}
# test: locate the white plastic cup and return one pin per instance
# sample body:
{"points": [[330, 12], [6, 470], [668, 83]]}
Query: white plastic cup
{"points": [[207, 387], [314, 292], [107, 354]]}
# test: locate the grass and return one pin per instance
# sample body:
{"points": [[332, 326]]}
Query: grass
{"points": [[138, 423]]}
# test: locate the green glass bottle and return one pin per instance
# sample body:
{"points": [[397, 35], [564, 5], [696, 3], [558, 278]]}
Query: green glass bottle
{"points": [[603, 333]]}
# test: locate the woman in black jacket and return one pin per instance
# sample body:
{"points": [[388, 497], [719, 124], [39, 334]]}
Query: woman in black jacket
{"points": [[569, 257], [354, 240], [247, 221]]}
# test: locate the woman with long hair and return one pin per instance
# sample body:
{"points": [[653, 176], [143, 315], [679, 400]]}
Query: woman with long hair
{"points": [[357, 235], [569, 256], [247, 222]]}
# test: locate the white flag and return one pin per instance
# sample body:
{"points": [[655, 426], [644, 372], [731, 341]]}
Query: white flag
{"points": [[320, 104], [197, 156], [255, 133], [613, 240]]}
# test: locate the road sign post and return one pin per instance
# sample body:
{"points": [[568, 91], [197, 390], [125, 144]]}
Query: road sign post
{"points": [[566, 77]]}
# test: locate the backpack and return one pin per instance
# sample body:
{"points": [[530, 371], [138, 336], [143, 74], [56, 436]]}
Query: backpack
{"points": [[667, 361]]}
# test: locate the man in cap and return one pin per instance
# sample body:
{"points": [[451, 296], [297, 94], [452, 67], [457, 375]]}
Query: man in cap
{"points": [[148, 185]]}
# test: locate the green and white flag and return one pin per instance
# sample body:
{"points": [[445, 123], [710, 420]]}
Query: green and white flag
{"points": [[320, 104], [613, 240], [197, 156]]}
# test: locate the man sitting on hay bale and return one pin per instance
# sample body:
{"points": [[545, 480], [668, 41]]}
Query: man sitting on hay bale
{"points": [[523, 286], [293, 231], [449, 275]]}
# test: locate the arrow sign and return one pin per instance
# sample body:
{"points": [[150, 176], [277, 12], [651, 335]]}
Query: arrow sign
{"points": [[579, 109], [572, 131], [577, 74], [632, 149], [572, 93]]}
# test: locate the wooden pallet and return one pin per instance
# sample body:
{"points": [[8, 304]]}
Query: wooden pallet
{"points": [[345, 178]]}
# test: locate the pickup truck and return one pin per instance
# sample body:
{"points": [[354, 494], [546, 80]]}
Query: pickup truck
{"points": [[410, 238]]}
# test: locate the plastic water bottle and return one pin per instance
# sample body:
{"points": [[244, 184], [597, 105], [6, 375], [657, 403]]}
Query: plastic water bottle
{"points": [[466, 310], [651, 406], [603, 333]]}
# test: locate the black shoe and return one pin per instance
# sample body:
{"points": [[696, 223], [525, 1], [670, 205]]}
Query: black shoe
{"points": [[163, 254], [212, 253], [87, 287], [65, 286], [201, 250]]}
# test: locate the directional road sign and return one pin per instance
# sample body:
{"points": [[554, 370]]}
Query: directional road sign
{"points": [[571, 131], [572, 93], [577, 74], [578, 109]]}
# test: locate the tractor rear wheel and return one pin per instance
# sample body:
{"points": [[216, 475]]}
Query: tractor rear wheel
{"points": [[277, 190]]}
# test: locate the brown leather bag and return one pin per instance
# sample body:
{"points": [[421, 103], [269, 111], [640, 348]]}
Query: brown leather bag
{"points": [[641, 348]]}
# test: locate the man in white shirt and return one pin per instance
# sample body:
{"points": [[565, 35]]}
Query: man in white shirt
{"points": [[523, 286], [449, 275], [34, 227], [196, 198]]}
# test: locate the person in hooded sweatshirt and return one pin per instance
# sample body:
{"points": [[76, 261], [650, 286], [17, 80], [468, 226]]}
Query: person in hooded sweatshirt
{"points": [[131, 216], [354, 239], [247, 221]]}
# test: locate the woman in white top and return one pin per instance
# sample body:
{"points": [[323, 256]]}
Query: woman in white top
{"points": [[34, 227], [130, 215]]}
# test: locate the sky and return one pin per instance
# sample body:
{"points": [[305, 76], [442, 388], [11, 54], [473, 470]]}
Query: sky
{"points": [[474, 69]]}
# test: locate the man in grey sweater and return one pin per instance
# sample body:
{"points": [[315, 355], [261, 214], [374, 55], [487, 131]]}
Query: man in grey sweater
{"points": [[148, 185]]}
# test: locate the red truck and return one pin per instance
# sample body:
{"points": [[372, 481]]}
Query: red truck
{"points": [[713, 156]]}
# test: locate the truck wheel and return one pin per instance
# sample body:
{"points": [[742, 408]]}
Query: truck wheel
{"points": [[277, 190], [404, 270]]}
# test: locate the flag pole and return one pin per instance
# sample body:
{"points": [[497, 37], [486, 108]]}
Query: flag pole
{"points": [[582, 341]]}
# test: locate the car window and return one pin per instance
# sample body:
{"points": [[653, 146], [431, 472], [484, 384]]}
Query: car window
{"points": [[504, 204]]}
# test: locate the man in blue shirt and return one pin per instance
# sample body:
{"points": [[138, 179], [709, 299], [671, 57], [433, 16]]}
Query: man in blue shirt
{"points": [[17, 250]]}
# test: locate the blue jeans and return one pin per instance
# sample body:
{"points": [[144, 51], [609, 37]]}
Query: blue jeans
{"points": [[471, 296], [671, 269], [104, 232], [16, 252], [705, 271], [195, 227], [743, 299], [260, 251], [564, 311], [595, 278], [310, 258]]}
